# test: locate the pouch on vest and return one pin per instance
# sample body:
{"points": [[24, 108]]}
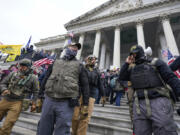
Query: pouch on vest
{"points": [[144, 76]]}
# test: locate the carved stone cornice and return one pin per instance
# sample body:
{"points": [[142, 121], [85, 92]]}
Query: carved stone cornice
{"points": [[164, 17], [155, 4], [97, 30], [140, 21], [117, 26], [51, 39], [106, 4]]}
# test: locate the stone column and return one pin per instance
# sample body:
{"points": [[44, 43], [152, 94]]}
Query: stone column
{"points": [[163, 45], [103, 56], [116, 53], [163, 42], [107, 60], [171, 43], [81, 41], [140, 34], [65, 43], [97, 44]]}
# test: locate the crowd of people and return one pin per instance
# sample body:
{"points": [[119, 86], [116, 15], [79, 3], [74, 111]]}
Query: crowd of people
{"points": [[32, 54], [68, 90]]}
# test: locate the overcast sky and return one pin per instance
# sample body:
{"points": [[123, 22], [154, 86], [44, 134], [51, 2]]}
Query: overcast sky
{"points": [[40, 18]]}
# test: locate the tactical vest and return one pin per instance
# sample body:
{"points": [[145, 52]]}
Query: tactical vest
{"points": [[17, 85], [64, 80], [146, 77]]}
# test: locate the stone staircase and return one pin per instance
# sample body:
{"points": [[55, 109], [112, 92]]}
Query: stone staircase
{"points": [[108, 120]]}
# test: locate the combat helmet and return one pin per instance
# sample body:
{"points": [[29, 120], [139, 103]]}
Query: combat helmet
{"points": [[138, 50], [25, 62]]}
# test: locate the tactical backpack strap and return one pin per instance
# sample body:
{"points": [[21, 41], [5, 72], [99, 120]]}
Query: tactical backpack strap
{"points": [[27, 79], [148, 106], [23, 81], [137, 103], [165, 85]]}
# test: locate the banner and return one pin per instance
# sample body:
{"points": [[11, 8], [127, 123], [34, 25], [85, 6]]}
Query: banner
{"points": [[11, 57], [11, 49]]}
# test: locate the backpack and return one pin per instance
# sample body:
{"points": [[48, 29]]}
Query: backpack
{"points": [[113, 82]]}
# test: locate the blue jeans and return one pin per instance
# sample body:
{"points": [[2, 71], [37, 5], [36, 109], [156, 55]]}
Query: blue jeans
{"points": [[98, 96], [119, 94], [56, 117]]}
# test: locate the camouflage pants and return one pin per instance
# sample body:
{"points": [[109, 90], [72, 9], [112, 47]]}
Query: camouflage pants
{"points": [[160, 122], [13, 109]]}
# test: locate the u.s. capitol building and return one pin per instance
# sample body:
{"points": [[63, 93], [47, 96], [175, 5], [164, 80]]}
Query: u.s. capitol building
{"points": [[108, 31]]}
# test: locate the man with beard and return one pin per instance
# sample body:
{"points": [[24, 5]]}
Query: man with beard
{"points": [[15, 88], [79, 122]]}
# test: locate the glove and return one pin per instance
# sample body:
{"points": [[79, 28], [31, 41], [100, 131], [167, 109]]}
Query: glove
{"points": [[5, 92], [103, 101], [84, 112], [33, 107], [39, 105]]}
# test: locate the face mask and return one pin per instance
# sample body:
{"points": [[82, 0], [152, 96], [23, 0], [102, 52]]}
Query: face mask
{"points": [[70, 53], [24, 72]]}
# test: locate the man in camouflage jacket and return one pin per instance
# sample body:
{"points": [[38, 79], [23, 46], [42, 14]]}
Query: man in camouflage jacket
{"points": [[15, 88]]}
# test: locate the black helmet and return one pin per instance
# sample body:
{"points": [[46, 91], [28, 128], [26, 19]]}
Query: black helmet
{"points": [[138, 50], [25, 62]]}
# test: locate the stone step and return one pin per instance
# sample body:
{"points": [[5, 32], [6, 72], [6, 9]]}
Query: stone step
{"points": [[108, 130], [34, 118], [110, 121], [27, 123], [93, 129], [123, 123], [104, 113], [22, 131], [109, 116], [124, 107]]}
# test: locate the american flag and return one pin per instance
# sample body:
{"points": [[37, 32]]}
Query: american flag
{"points": [[166, 53], [71, 34], [42, 62]]}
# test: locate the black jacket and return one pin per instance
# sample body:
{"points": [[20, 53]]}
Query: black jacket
{"points": [[165, 72], [99, 86]]}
